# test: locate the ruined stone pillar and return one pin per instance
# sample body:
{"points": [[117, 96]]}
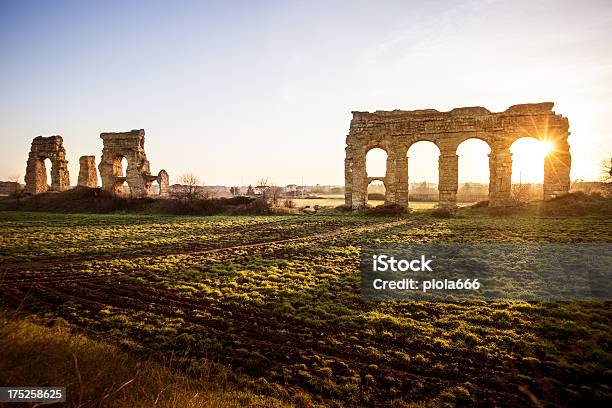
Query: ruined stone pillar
{"points": [[348, 178], [401, 178], [396, 177], [448, 173], [163, 181], [390, 179], [36, 175], [359, 182], [88, 176], [51, 148], [557, 170], [110, 169], [500, 182]]}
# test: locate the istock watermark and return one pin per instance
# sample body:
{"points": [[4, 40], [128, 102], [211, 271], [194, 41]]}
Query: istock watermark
{"points": [[455, 272]]}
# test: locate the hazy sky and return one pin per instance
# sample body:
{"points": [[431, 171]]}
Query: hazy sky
{"points": [[238, 90]]}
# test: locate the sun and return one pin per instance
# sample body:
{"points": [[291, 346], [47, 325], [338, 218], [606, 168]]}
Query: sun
{"points": [[528, 159], [544, 148]]}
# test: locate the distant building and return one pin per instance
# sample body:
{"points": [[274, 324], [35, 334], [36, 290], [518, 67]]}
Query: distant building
{"points": [[293, 190], [260, 190]]}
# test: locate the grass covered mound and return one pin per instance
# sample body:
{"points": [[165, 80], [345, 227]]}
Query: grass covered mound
{"points": [[572, 204], [96, 200], [577, 203]]}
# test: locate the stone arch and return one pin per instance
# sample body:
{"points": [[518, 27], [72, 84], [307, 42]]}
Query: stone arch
{"points": [[464, 138], [372, 153], [376, 180], [534, 144], [524, 186], [46, 170], [43, 148], [120, 170], [473, 193], [138, 175], [412, 140], [416, 159], [398, 129]]}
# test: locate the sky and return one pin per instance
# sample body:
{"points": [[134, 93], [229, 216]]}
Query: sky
{"points": [[237, 90]]}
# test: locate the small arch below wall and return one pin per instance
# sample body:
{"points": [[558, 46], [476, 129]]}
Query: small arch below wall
{"points": [[376, 192], [120, 166]]}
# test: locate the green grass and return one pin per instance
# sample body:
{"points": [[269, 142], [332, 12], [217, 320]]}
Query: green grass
{"points": [[277, 298]]}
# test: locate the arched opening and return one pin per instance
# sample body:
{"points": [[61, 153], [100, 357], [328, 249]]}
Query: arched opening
{"points": [[46, 173], [473, 169], [528, 156], [125, 189], [376, 162], [376, 193], [155, 187], [120, 165], [423, 159]]}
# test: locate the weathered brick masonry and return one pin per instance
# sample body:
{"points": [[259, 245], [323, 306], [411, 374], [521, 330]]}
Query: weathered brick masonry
{"points": [[397, 130]]}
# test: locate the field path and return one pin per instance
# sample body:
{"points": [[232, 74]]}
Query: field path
{"points": [[54, 270]]}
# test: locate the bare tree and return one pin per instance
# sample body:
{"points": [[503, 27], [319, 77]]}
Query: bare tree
{"points": [[520, 192], [18, 189], [189, 186], [263, 182], [273, 194], [606, 170]]}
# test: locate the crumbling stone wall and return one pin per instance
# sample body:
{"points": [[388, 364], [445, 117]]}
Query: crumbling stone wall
{"points": [[138, 173], [397, 130], [163, 181], [51, 148], [88, 176]]}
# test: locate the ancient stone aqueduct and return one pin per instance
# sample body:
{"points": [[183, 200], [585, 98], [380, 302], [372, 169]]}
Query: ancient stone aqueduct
{"points": [[116, 146], [393, 131], [397, 130]]}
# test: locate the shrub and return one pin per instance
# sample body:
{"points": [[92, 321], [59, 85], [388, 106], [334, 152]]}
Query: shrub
{"points": [[386, 209], [96, 200], [442, 212]]}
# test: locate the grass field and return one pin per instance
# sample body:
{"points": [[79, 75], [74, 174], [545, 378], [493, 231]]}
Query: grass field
{"points": [[275, 299]]}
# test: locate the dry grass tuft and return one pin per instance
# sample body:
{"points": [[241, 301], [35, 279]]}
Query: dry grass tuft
{"points": [[101, 375]]}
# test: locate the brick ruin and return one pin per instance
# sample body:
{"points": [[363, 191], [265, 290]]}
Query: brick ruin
{"points": [[395, 131], [116, 146], [129, 145], [88, 176], [43, 148], [163, 181]]}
